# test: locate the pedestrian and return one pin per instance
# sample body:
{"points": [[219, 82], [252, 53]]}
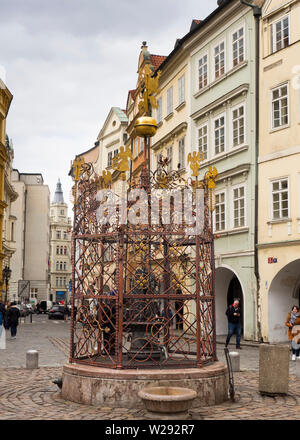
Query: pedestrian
{"points": [[13, 315], [2, 329], [292, 322], [233, 313], [66, 312]]}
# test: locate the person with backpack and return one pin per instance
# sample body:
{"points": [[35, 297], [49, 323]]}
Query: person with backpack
{"points": [[233, 313]]}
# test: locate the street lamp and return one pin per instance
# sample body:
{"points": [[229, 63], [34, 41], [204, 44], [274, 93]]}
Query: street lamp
{"points": [[6, 273]]}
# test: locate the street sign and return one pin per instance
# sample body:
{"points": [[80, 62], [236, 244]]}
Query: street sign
{"points": [[24, 289]]}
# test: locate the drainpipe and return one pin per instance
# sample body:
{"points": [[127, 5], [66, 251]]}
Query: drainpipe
{"points": [[257, 12]]}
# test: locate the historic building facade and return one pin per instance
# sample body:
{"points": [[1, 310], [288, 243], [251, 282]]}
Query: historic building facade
{"points": [[222, 72], [279, 170], [60, 247], [5, 101], [30, 278]]}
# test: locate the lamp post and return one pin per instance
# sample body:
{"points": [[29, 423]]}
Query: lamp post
{"points": [[6, 273]]}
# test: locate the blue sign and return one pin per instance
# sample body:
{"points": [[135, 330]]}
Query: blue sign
{"points": [[60, 296], [70, 286]]}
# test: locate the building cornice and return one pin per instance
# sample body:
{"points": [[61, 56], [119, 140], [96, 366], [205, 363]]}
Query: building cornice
{"points": [[220, 101], [175, 132]]}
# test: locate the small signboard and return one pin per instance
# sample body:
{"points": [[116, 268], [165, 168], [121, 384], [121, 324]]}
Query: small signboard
{"points": [[24, 289]]}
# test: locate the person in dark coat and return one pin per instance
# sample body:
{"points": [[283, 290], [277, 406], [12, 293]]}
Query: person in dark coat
{"points": [[13, 315], [233, 313]]}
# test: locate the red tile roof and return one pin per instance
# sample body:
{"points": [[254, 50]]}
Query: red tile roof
{"points": [[156, 60]]}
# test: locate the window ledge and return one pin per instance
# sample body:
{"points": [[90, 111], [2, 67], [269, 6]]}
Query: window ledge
{"points": [[281, 220], [159, 124], [169, 116], [225, 155], [180, 106], [282, 127], [221, 78], [226, 233]]}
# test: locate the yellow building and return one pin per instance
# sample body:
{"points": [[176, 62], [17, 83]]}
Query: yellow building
{"points": [[172, 115], [5, 101], [279, 167]]}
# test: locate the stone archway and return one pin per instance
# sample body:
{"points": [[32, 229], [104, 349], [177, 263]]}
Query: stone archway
{"points": [[227, 288], [283, 294]]}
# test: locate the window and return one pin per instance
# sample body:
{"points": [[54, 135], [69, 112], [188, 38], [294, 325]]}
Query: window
{"points": [[181, 90], [280, 116], [169, 100], [57, 265], [181, 153], [65, 250], [57, 250], [170, 158], [280, 199], [109, 159], [238, 126], [219, 129], [12, 233], [116, 152], [61, 250], [159, 110], [58, 234], [203, 141], [239, 207], [219, 56], [142, 145], [65, 235], [203, 72], [158, 165], [238, 45], [61, 265], [65, 265], [136, 147], [62, 212], [57, 279], [220, 211], [280, 34]]}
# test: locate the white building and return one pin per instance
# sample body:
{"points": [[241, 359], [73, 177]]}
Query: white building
{"points": [[60, 247], [30, 263]]}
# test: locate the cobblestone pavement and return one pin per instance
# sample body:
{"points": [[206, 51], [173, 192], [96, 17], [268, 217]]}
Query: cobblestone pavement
{"points": [[31, 394]]}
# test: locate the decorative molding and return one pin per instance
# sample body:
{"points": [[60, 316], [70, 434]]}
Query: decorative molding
{"points": [[220, 101], [164, 140]]}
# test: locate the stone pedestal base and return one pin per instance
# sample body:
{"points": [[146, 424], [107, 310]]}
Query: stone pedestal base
{"points": [[119, 388], [274, 363]]}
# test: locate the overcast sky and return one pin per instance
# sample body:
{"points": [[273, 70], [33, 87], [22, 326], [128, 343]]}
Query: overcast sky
{"points": [[67, 62]]}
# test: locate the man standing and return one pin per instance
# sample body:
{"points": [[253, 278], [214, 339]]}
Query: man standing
{"points": [[13, 315], [233, 313]]}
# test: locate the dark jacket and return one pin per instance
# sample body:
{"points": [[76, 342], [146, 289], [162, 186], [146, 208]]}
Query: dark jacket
{"points": [[13, 315], [230, 314]]}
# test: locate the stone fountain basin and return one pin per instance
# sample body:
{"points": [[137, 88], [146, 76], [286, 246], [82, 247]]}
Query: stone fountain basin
{"points": [[167, 399]]}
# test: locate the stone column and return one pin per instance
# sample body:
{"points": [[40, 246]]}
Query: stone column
{"points": [[274, 362]]}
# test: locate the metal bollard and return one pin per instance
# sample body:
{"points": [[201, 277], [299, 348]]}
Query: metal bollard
{"points": [[298, 368], [32, 359], [235, 361]]}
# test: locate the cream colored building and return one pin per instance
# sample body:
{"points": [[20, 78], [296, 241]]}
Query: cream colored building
{"points": [[30, 262], [9, 219], [279, 166], [172, 139], [60, 247]]}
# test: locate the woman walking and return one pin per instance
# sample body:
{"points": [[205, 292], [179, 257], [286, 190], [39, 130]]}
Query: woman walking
{"points": [[13, 315], [293, 323]]}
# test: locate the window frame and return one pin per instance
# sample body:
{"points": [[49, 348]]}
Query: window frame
{"points": [[181, 154], [273, 32], [214, 59], [288, 106], [233, 109], [221, 115], [233, 188], [237, 29], [206, 54], [181, 89], [205, 124], [222, 191], [170, 103], [272, 181]]}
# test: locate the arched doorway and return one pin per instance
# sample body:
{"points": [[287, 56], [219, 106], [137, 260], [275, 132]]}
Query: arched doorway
{"points": [[228, 288], [283, 294]]}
